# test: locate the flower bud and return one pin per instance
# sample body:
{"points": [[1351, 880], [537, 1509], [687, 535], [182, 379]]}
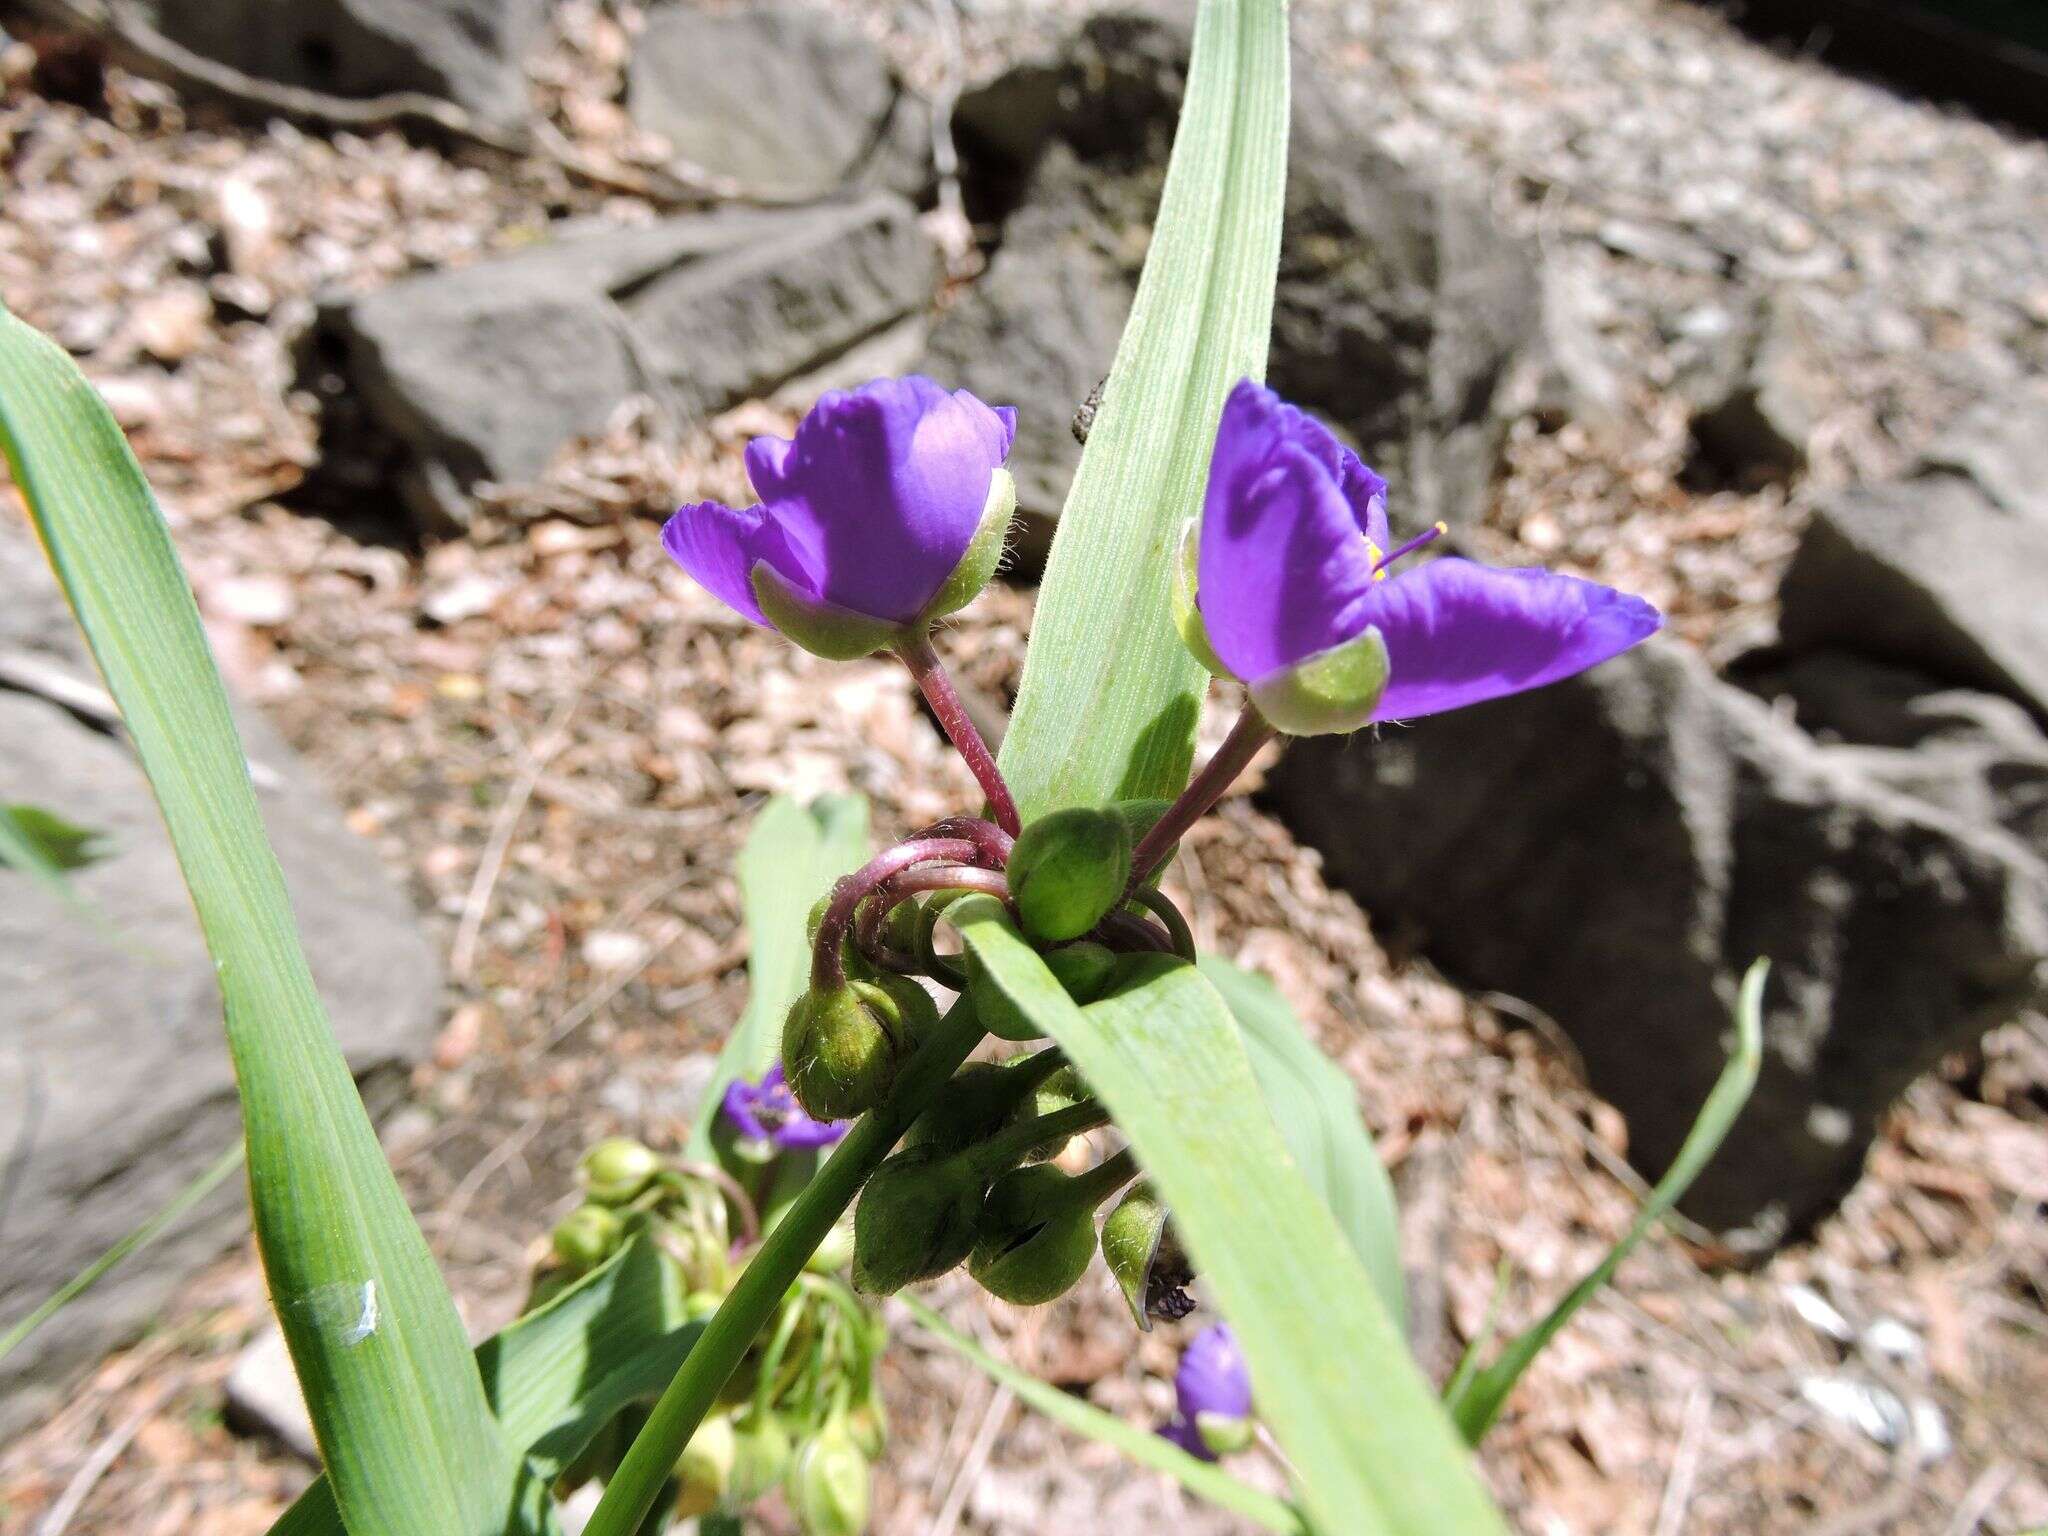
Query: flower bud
{"points": [[1187, 617], [1034, 1239], [982, 1098], [1068, 871], [840, 1048], [833, 1254], [704, 1470], [587, 1236], [761, 1454], [1062, 1090], [1213, 1391], [829, 1484], [915, 1220], [1145, 1256], [869, 1426], [617, 1169]]}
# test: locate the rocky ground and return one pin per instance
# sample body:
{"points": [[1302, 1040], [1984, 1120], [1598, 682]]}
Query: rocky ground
{"points": [[554, 741]]}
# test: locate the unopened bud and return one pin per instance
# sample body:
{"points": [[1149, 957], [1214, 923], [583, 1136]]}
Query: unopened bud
{"points": [[1068, 871], [855, 964], [982, 1098], [840, 1047], [1035, 1237], [915, 1220], [588, 1235], [761, 1452], [869, 1426], [617, 1169], [830, 1484], [1083, 968], [1063, 1090], [704, 1470]]}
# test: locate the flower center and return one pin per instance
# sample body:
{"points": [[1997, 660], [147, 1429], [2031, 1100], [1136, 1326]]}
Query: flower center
{"points": [[1428, 536]]}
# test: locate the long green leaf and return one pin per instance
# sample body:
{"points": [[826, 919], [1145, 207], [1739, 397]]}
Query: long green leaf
{"points": [[1198, 1477], [1369, 1442], [1475, 1397], [560, 1372], [1316, 1109], [1110, 698], [791, 858], [394, 1395]]}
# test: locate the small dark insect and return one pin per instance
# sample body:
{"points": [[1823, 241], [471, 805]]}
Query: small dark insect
{"points": [[1084, 418]]}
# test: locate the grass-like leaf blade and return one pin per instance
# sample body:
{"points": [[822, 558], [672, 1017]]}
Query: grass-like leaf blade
{"points": [[1316, 1109], [1200, 1478], [1109, 700], [1476, 1395], [1370, 1445], [394, 1395], [791, 857]]}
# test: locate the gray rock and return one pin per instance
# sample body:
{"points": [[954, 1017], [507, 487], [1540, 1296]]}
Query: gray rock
{"points": [[776, 99], [263, 1396], [466, 51], [485, 372], [1618, 848], [1754, 390], [1401, 303], [115, 1086], [1930, 573]]}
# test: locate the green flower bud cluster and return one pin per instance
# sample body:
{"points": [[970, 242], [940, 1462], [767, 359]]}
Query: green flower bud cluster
{"points": [[801, 1413]]}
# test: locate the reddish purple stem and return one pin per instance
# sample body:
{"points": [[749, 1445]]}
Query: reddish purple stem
{"points": [[896, 889], [1250, 733], [930, 675], [828, 973]]}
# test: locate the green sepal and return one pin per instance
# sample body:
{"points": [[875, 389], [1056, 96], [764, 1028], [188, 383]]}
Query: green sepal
{"points": [[587, 1236], [1187, 617], [1329, 693], [830, 1484], [823, 629], [915, 1220], [1035, 1237], [1142, 1252], [617, 1169], [840, 1048], [977, 568], [1068, 870]]}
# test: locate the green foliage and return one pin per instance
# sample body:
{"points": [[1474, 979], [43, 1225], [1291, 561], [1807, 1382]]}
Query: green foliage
{"points": [[394, 1396], [1316, 1109], [1370, 1447], [1476, 1394], [1110, 696], [41, 842]]}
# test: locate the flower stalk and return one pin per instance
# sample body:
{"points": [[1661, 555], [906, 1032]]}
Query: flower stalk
{"points": [[929, 673], [1247, 736]]}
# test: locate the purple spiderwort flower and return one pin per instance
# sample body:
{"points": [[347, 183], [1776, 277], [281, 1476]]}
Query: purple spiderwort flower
{"points": [[1213, 1396], [1291, 591], [886, 511], [768, 1118]]}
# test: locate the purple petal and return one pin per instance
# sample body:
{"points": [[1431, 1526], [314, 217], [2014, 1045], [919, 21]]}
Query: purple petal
{"points": [[1284, 564], [1458, 633], [738, 1106], [1213, 1377], [877, 497], [716, 544], [1182, 1432], [802, 1131]]}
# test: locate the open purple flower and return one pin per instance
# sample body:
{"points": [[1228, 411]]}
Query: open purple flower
{"points": [[1292, 591], [768, 1118], [1212, 1395], [886, 511]]}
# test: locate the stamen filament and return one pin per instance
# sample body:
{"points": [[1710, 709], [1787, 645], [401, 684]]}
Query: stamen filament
{"points": [[1428, 536]]}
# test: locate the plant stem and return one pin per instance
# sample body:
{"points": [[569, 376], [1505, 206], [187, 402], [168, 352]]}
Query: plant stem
{"points": [[930, 675], [1161, 906], [1250, 733], [911, 882], [775, 1265], [1106, 1178], [1000, 1151], [828, 970]]}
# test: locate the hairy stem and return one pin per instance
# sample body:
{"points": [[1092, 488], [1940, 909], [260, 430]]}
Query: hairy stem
{"points": [[930, 675], [1161, 906], [1000, 1151], [828, 971], [775, 1266], [1250, 733], [897, 889]]}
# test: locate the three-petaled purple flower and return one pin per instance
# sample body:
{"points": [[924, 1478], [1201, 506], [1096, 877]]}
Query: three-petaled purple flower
{"points": [[768, 1118], [887, 510], [1212, 1395], [1292, 591]]}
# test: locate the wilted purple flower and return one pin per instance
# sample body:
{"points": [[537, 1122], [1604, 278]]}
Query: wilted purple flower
{"points": [[1292, 573], [767, 1114], [1212, 1395], [885, 511]]}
